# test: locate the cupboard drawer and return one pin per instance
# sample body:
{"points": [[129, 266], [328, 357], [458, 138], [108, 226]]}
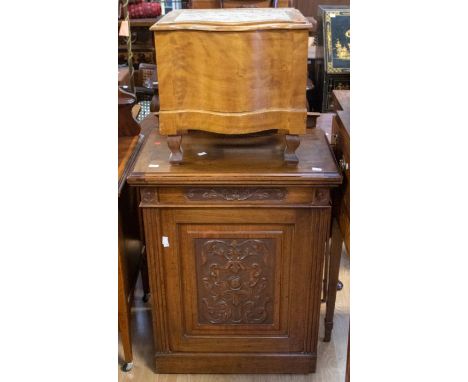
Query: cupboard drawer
{"points": [[234, 196], [341, 148], [341, 139]]}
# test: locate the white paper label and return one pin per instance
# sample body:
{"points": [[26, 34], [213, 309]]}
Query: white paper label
{"points": [[165, 241], [124, 28]]}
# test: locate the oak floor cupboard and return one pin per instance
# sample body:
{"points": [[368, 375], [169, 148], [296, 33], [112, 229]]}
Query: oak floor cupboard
{"points": [[235, 242]]}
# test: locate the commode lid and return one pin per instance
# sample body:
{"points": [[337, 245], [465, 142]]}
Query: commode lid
{"points": [[232, 19]]}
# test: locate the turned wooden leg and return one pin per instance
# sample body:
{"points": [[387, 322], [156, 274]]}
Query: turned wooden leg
{"points": [[124, 309], [124, 328], [292, 143], [335, 257], [326, 268], [174, 141]]}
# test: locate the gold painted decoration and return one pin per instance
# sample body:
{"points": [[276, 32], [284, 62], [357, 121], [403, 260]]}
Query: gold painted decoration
{"points": [[337, 40]]}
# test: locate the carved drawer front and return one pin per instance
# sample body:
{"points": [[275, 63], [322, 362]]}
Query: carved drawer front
{"points": [[235, 196], [239, 281]]}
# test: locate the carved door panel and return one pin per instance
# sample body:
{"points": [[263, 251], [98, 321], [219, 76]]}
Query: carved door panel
{"points": [[239, 280]]}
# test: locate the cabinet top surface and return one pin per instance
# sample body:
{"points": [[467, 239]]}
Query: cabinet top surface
{"points": [[218, 159], [233, 19]]}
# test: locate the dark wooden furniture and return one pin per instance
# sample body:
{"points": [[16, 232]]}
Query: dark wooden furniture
{"points": [[131, 249], [251, 76], [235, 241], [341, 133], [124, 77], [342, 100], [142, 43], [341, 202], [128, 126], [310, 7], [332, 63]]}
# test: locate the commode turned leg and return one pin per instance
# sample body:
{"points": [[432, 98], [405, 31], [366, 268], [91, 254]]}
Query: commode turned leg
{"points": [[174, 141], [292, 143]]}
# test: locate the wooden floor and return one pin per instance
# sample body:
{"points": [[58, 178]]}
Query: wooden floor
{"points": [[331, 363]]}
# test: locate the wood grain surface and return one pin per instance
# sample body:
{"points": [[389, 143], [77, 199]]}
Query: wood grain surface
{"points": [[218, 159], [342, 99], [232, 71], [342, 103]]}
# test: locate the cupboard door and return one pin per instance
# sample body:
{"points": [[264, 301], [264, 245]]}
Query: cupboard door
{"points": [[241, 281]]}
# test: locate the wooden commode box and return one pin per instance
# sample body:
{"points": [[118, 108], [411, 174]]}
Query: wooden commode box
{"points": [[232, 71]]}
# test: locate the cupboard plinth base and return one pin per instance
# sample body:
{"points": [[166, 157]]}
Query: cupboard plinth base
{"points": [[235, 363]]}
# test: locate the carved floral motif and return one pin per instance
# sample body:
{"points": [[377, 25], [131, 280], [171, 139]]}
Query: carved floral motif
{"points": [[236, 281], [148, 195], [321, 196], [236, 194]]}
